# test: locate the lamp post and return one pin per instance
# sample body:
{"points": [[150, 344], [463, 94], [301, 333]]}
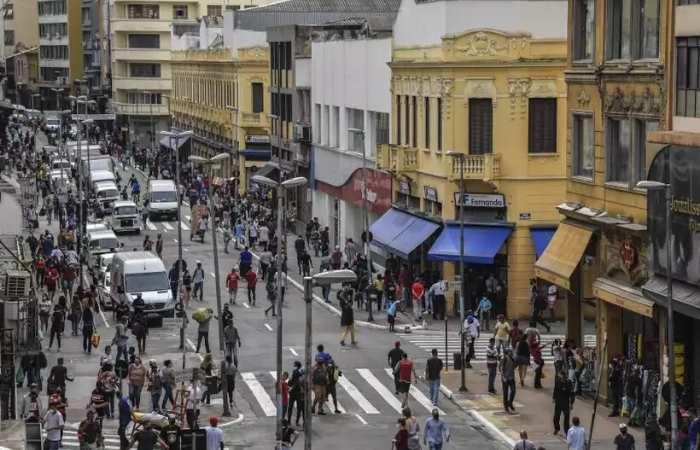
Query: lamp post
{"points": [[178, 137], [234, 136], [210, 162], [150, 106], [670, 332], [365, 217], [319, 280], [289, 184], [459, 157], [81, 189]]}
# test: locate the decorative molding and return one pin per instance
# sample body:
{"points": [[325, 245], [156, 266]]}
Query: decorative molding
{"points": [[583, 99], [544, 88], [415, 86], [618, 102], [426, 86], [445, 86], [519, 89], [480, 88], [405, 85], [481, 44]]}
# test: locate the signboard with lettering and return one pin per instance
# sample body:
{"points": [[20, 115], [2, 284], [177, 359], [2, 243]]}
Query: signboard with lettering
{"points": [[430, 193], [404, 187], [480, 200], [378, 190], [257, 139]]}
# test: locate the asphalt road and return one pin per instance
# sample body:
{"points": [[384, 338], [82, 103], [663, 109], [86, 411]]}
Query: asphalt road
{"points": [[365, 394]]}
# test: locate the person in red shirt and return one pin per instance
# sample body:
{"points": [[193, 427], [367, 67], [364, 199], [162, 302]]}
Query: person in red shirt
{"points": [[232, 283], [252, 279], [51, 281], [40, 266], [405, 369], [69, 276], [285, 393], [417, 290]]}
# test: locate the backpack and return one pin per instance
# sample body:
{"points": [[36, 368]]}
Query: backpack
{"points": [[319, 377]]}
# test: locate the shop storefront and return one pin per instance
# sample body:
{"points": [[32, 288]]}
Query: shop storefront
{"points": [[677, 166], [253, 157]]}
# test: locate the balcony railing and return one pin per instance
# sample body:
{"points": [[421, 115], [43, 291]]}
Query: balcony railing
{"points": [[138, 109], [398, 158], [252, 120], [476, 167]]}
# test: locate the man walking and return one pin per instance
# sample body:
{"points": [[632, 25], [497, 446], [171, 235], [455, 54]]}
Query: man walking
{"points": [[576, 436], [508, 380], [198, 280], [233, 342], [492, 357], [434, 429], [393, 358], [433, 367], [203, 332], [232, 284], [562, 401], [405, 369]]}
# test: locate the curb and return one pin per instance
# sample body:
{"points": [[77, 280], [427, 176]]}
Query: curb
{"points": [[233, 422], [336, 311], [503, 439]]}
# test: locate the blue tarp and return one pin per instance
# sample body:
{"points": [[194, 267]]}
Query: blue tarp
{"points": [[541, 238], [400, 232], [481, 243]]}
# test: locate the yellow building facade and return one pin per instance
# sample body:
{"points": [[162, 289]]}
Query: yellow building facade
{"points": [[221, 98], [499, 98]]}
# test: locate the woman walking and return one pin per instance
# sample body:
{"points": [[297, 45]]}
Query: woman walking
{"points": [[88, 326], [523, 358], [136, 379]]}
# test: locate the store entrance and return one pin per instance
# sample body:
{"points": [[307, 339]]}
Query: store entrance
{"points": [[490, 280]]}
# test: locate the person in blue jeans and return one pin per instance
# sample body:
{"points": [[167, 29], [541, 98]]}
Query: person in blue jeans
{"points": [[433, 367], [492, 357]]}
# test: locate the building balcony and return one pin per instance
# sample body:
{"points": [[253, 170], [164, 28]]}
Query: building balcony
{"points": [[54, 63], [200, 111], [252, 120], [141, 25], [44, 40], [53, 18], [141, 84], [397, 158], [140, 54], [134, 109], [475, 167]]}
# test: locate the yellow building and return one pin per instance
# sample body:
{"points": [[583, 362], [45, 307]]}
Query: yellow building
{"points": [[221, 98], [499, 98], [616, 95]]}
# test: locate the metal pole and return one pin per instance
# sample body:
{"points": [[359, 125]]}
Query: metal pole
{"points": [[219, 309], [150, 101], [365, 214], [462, 278], [308, 285], [81, 192], [670, 340], [281, 241], [179, 246]]}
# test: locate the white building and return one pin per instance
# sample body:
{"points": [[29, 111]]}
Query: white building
{"points": [[350, 88]]}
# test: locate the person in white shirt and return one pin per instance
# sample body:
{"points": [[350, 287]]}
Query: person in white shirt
{"points": [[53, 424], [552, 298], [194, 394], [436, 294], [264, 236], [215, 436], [471, 329], [71, 257]]}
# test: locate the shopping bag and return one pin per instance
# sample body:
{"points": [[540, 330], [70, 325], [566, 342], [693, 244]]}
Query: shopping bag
{"points": [[39, 334], [201, 315], [19, 376], [95, 339], [544, 374], [623, 410]]}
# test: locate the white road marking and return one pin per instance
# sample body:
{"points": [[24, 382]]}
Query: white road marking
{"points": [[294, 352], [184, 227], [188, 217], [194, 349], [212, 274], [268, 327], [168, 226], [150, 225], [359, 417], [259, 393], [175, 240], [186, 249], [418, 395], [357, 396], [246, 305], [381, 389]]}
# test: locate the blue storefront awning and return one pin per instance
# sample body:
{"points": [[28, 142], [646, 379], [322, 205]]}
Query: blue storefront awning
{"points": [[481, 243], [541, 238], [400, 232]]}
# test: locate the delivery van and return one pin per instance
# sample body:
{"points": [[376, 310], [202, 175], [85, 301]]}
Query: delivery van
{"points": [[162, 199], [106, 193], [125, 217], [133, 273]]}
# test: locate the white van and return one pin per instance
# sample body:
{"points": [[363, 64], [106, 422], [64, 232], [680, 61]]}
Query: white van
{"points": [[97, 176], [106, 193], [98, 163], [60, 163], [125, 217], [162, 199], [98, 243], [133, 273]]}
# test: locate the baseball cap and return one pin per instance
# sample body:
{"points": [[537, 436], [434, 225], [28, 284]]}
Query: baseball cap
{"points": [[397, 343], [213, 420], [623, 426]]}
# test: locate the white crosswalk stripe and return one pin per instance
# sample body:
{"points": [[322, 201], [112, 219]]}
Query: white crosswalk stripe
{"points": [[168, 226], [151, 226], [362, 391], [436, 341], [70, 440], [184, 227]]}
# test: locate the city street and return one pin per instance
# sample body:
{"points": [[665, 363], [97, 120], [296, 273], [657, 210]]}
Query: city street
{"points": [[365, 396]]}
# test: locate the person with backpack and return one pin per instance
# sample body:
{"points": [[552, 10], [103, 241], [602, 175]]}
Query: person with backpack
{"points": [[154, 378], [524, 443], [334, 374], [319, 378]]}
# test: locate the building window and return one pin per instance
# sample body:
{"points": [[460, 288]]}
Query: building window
{"points": [[583, 146], [641, 128], [426, 124], [617, 154], [9, 37], [232, 7], [258, 97], [398, 120], [382, 132], [480, 126], [141, 70], [688, 2], [414, 121], [143, 11], [542, 125], [144, 41], [356, 119], [619, 29], [688, 77], [407, 118], [439, 125], [179, 12], [584, 30], [141, 98], [214, 10], [648, 33], [633, 29]]}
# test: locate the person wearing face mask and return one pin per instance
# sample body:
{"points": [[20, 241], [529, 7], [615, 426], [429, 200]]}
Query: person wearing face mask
{"points": [[624, 441], [435, 427], [31, 405]]}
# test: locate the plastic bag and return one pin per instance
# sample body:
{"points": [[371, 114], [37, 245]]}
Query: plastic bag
{"points": [[201, 315], [95, 339], [19, 376]]}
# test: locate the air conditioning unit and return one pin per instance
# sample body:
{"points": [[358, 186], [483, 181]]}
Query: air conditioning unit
{"points": [[17, 283], [302, 133]]}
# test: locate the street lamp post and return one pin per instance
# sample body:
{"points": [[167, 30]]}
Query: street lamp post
{"points": [[150, 103], [289, 184], [670, 332], [178, 137], [459, 157], [365, 217], [320, 279], [210, 162]]}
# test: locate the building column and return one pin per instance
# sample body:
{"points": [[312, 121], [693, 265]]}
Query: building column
{"points": [[609, 321], [574, 306]]}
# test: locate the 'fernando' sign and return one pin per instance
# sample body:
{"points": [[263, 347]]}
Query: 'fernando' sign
{"points": [[480, 200]]}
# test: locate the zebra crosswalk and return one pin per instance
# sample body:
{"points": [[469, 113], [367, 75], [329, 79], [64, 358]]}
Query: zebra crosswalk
{"points": [[427, 342], [70, 439], [360, 391]]}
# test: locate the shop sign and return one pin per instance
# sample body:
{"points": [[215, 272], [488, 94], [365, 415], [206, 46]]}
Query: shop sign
{"points": [[430, 193], [404, 187], [627, 254], [378, 190], [257, 139], [480, 200]]}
